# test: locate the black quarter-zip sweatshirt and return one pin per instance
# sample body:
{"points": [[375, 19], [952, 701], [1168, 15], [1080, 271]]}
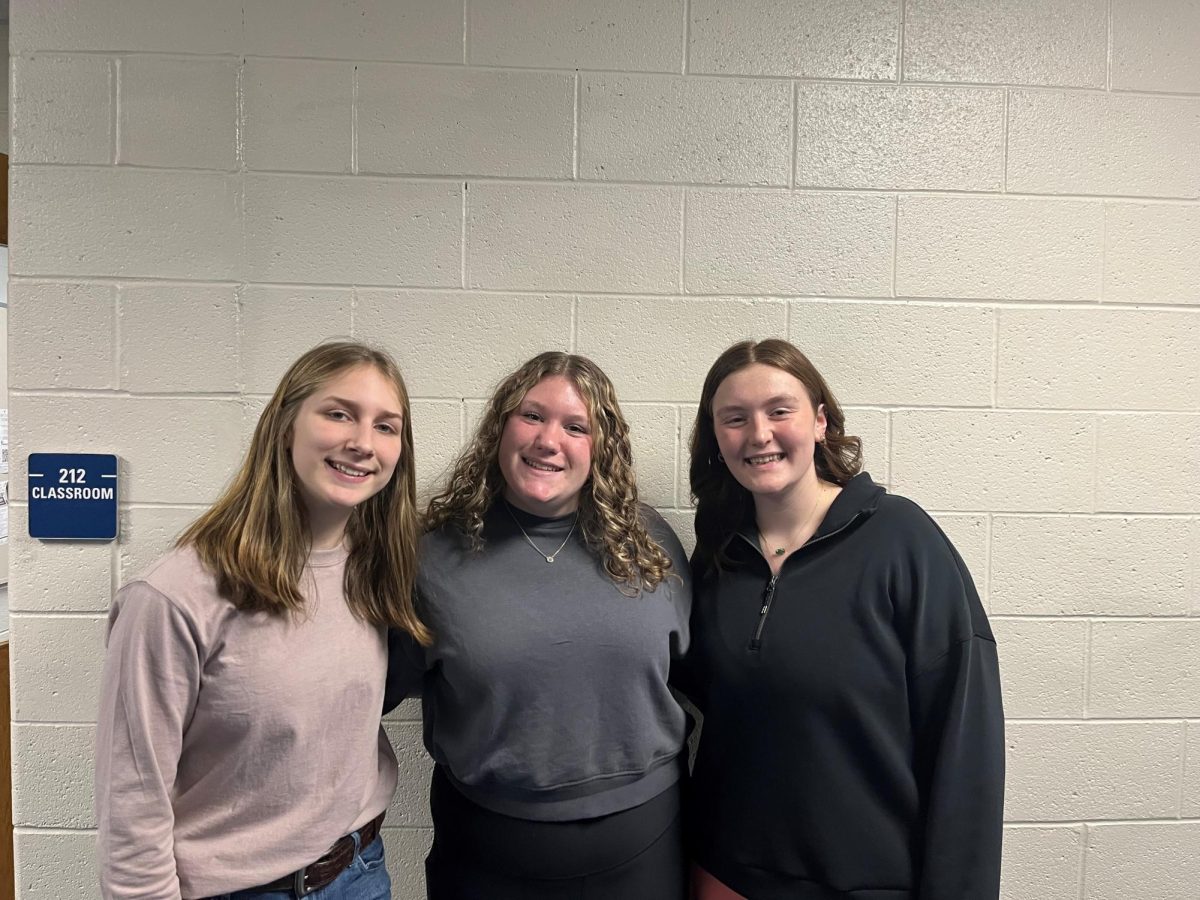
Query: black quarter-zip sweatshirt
{"points": [[853, 736]]}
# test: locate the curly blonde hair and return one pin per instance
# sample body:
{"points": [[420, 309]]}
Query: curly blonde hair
{"points": [[609, 515]]}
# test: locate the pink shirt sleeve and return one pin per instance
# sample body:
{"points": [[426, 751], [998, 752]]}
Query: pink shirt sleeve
{"points": [[151, 680]]}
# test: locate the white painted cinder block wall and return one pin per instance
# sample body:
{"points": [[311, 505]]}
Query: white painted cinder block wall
{"points": [[980, 217]]}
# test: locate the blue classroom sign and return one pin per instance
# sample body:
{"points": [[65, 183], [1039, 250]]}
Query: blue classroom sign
{"points": [[73, 496]]}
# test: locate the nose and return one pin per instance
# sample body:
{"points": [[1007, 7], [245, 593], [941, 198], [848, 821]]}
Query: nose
{"points": [[761, 433], [546, 437], [362, 439]]}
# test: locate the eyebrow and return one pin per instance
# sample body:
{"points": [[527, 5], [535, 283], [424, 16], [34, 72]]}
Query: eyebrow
{"points": [[541, 408], [342, 401], [770, 401]]}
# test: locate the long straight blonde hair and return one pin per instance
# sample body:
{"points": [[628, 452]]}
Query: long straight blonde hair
{"points": [[256, 539]]}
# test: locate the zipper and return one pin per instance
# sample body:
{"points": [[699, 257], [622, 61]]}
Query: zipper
{"points": [[769, 592], [768, 596]]}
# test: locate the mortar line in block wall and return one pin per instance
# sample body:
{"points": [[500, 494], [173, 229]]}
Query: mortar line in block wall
{"points": [[1196, 566], [1004, 145], [677, 454], [1084, 840], [710, 76], [546, 181], [464, 273], [995, 387], [1102, 261], [354, 121], [1087, 669], [57, 829], [1183, 768], [1108, 56], [794, 127], [1097, 820], [466, 33], [115, 337], [239, 120], [239, 329], [577, 96], [114, 103], [731, 296], [1095, 466], [900, 43], [895, 244], [683, 198]]}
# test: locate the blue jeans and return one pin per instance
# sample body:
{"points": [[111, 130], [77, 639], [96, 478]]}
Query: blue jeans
{"points": [[364, 879]]}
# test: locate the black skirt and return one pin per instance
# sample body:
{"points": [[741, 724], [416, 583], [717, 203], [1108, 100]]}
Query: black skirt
{"points": [[635, 854]]}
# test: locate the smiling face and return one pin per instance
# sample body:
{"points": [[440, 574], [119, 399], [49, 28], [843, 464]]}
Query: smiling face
{"points": [[545, 450], [346, 442], [767, 430]]}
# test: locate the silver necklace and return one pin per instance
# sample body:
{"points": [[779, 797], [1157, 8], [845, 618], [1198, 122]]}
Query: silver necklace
{"points": [[547, 557]]}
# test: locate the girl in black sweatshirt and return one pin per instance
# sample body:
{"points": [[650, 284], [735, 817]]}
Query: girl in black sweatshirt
{"points": [[853, 738]]}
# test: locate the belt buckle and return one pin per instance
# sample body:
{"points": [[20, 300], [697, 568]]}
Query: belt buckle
{"points": [[298, 886]]}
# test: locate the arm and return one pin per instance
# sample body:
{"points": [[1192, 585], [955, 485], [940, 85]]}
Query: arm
{"points": [[406, 669], [149, 689], [958, 729], [960, 768]]}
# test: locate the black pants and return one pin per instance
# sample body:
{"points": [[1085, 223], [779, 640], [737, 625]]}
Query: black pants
{"points": [[477, 854]]}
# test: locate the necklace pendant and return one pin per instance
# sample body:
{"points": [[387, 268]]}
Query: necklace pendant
{"points": [[779, 551], [549, 559]]}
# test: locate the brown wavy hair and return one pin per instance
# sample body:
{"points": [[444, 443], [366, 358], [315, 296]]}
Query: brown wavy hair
{"points": [[256, 540], [721, 502], [609, 515]]}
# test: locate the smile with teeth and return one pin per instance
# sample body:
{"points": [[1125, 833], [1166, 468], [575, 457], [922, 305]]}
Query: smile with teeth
{"points": [[348, 470], [540, 466], [764, 459]]}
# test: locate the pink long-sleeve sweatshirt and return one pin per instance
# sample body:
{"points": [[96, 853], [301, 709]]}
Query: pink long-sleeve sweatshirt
{"points": [[233, 748]]}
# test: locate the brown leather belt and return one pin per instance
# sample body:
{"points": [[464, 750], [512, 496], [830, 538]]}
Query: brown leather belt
{"points": [[325, 870]]}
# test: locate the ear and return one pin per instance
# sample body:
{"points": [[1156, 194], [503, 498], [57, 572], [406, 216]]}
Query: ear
{"points": [[820, 422]]}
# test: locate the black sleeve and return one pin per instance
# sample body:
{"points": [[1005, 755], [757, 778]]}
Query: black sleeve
{"points": [[959, 723], [957, 720], [406, 668]]}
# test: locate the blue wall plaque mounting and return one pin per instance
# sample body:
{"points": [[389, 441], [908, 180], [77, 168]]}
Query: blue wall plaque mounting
{"points": [[73, 496]]}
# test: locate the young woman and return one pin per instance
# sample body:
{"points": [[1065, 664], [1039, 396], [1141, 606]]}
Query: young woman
{"points": [[557, 603], [239, 750], [853, 738]]}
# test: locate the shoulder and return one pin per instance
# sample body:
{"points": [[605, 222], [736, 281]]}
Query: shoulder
{"points": [[908, 526], [940, 588], [441, 541], [660, 529], [181, 580]]}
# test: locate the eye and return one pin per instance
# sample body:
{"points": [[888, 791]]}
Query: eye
{"points": [[733, 420], [781, 411], [387, 428], [338, 415], [575, 428], [531, 417]]}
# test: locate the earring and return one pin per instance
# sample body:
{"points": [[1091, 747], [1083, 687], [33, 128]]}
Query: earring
{"points": [[720, 456]]}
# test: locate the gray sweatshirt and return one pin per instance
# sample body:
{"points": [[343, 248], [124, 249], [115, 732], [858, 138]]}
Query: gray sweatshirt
{"points": [[545, 692]]}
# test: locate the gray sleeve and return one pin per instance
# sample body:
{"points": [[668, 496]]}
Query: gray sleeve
{"points": [[679, 579]]}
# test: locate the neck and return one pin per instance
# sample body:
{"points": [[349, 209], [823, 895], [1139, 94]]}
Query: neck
{"points": [[551, 510], [329, 533], [786, 512]]}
